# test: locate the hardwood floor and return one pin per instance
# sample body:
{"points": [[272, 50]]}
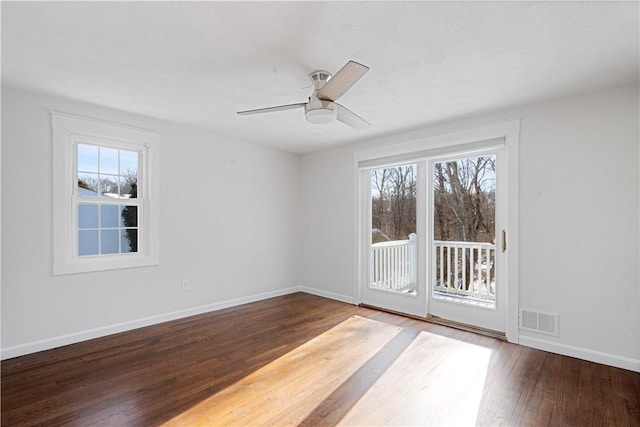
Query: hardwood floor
{"points": [[305, 360]]}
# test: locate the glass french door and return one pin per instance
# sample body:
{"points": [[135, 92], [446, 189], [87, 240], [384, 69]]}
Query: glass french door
{"points": [[466, 260], [431, 233], [393, 238]]}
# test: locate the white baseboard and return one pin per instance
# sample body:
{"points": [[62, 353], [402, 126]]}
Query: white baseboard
{"points": [[49, 343], [326, 294], [62, 340], [581, 353]]}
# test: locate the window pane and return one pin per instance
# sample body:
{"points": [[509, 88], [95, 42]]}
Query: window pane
{"points": [[109, 160], [109, 186], [128, 187], [128, 163], [109, 241], [394, 247], [464, 195], [87, 158], [87, 242], [87, 216], [129, 216], [129, 241], [109, 216], [88, 185]]}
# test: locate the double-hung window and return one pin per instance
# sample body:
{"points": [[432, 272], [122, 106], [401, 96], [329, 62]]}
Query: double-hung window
{"points": [[105, 195]]}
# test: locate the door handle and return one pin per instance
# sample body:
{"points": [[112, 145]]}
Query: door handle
{"points": [[504, 240]]}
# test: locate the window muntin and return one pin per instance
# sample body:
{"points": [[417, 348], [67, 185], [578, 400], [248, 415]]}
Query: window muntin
{"points": [[105, 177]]}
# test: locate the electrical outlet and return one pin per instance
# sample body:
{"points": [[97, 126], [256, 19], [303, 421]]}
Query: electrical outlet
{"points": [[184, 285]]}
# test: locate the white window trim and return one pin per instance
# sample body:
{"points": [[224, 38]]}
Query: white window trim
{"points": [[69, 130]]}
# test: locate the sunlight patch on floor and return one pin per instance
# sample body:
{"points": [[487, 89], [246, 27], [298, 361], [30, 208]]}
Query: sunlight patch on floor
{"points": [[435, 381], [288, 389]]}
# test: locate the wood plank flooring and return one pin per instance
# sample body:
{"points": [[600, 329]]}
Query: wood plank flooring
{"points": [[305, 360]]}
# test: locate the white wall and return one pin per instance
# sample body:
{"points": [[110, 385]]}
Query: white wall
{"points": [[579, 220], [579, 231], [228, 219], [243, 222], [327, 223]]}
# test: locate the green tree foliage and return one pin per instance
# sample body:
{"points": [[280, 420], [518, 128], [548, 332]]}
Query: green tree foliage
{"points": [[130, 217]]}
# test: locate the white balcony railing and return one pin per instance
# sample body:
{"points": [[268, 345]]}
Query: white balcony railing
{"points": [[393, 265], [464, 269]]}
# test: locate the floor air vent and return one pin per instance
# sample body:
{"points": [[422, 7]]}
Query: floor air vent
{"points": [[536, 321]]}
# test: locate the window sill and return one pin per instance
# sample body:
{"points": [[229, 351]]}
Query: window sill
{"points": [[92, 264]]}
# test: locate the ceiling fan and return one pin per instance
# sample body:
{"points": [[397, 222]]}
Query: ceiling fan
{"points": [[322, 106]]}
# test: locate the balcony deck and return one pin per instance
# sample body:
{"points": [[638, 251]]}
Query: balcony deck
{"points": [[462, 270]]}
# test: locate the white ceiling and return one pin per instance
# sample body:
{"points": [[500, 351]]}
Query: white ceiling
{"points": [[199, 62]]}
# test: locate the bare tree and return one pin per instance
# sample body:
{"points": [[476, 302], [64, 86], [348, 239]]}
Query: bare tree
{"points": [[394, 201], [464, 199], [379, 181], [464, 202]]}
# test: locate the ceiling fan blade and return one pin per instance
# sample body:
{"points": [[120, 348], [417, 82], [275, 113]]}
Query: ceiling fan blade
{"points": [[270, 109], [342, 81], [350, 118]]}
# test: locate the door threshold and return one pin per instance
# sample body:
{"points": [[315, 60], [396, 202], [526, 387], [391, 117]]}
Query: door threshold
{"points": [[465, 327], [386, 310], [444, 322]]}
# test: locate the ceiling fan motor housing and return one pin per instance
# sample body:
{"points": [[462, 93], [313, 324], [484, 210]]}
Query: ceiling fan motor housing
{"points": [[320, 111], [319, 78]]}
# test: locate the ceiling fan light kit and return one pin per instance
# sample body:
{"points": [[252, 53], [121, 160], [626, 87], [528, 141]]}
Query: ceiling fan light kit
{"points": [[320, 112], [321, 107]]}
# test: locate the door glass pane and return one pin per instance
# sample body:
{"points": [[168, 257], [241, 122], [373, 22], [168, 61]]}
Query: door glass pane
{"points": [[464, 206], [393, 256]]}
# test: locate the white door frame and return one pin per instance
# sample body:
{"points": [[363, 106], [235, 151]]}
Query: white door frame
{"points": [[415, 147]]}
